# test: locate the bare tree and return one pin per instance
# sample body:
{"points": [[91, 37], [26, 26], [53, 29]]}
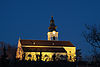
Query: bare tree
{"points": [[78, 55], [1, 47], [92, 36]]}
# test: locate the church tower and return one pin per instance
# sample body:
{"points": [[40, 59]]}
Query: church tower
{"points": [[52, 34]]}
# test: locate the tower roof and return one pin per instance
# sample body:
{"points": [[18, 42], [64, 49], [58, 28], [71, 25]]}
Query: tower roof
{"points": [[52, 26]]}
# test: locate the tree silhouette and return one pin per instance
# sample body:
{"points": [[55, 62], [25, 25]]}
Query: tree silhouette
{"points": [[78, 55], [4, 59], [92, 36]]}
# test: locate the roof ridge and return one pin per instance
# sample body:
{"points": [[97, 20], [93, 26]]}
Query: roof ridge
{"points": [[44, 40]]}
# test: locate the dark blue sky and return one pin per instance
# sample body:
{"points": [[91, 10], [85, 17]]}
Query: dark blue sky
{"points": [[29, 19]]}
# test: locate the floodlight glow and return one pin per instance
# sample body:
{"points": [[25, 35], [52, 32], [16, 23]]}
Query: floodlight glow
{"points": [[54, 32]]}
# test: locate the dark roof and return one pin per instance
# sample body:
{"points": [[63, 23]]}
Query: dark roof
{"points": [[46, 43], [42, 49]]}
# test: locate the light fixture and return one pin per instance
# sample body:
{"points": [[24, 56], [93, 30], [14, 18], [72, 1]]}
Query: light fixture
{"points": [[54, 32]]}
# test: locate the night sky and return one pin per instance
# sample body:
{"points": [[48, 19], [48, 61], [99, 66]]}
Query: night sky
{"points": [[30, 19]]}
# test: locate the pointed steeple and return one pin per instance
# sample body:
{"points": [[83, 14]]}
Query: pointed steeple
{"points": [[52, 26], [51, 21], [52, 34], [19, 38]]}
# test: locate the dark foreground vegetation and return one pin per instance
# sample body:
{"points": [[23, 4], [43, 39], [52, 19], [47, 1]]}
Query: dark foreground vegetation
{"points": [[18, 63], [46, 64], [37, 64]]}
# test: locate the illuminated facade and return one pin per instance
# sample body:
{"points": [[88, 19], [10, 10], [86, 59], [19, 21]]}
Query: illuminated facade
{"points": [[46, 50]]}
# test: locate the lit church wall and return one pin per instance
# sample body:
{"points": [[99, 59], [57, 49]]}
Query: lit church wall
{"points": [[19, 51], [71, 52], [45, 56]]}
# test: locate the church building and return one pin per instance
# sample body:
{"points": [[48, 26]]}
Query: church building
{"points": [[46, 50]]}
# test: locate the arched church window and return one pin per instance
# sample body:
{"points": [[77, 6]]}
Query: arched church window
{"points": [[37, 57], [69, 51], [29, 55], [62, 57], [70, 57], [66, 52], [46, 57]]}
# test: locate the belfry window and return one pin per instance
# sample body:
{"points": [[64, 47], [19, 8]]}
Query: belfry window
{"points": [[53, 37], [29, 55]]}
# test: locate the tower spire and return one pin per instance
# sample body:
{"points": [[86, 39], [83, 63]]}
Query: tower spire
{"points": [[51, 21], [19, 38], [52, 34], [52, 26]]}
